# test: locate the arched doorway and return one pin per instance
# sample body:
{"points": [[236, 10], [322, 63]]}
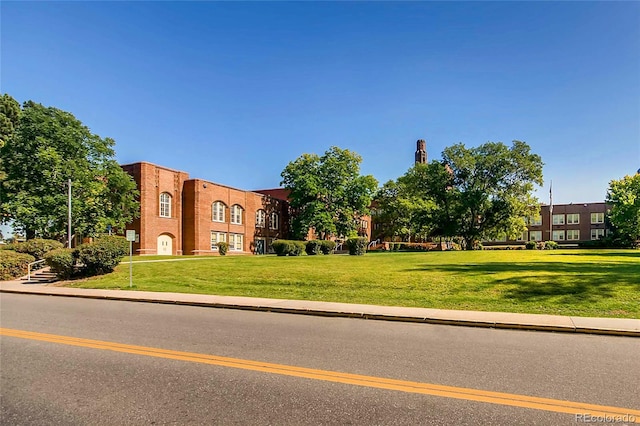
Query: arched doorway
{"points": [[165, 245]]}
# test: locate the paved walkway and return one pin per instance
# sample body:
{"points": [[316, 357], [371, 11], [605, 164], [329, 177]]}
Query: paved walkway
{"points": [[607, 326]]}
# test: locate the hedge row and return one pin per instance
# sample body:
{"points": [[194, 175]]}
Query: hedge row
{"points": [[37, 247], [541, 245], [99, 257], [314, 247], [288, 247], [13, 264]]}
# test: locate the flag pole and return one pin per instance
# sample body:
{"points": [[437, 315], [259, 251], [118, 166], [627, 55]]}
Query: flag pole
{"points": [[551, 211]]}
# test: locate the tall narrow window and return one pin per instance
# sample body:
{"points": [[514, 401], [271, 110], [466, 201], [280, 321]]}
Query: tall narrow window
{"points": [[261, 218], [217, 211], [275, 221], [165, 205], [236, 214]]}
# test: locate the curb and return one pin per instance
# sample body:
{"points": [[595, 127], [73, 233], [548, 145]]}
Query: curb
{"points": [[356, 315]]}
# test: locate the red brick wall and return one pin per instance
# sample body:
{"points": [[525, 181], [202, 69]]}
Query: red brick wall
{"points": [[199, 196], [153, 180]]}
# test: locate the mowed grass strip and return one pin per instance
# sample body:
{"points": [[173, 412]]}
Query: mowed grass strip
{"points": [[601, 283]]}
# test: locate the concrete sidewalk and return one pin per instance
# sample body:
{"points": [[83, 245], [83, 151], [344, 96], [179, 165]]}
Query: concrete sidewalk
{"points": [[606, 326]]}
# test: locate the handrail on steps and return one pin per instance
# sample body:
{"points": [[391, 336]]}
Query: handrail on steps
{"points": [[30, 267]]}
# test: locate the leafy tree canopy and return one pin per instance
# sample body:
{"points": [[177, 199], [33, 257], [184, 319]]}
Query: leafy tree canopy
{"points": [[624, 197], [327, 193], [402, 214], [47, 147], [478, 192]]}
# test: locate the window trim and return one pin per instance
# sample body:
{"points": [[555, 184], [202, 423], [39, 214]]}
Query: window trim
{"points": [[233, 236], [597, 215], [274, 220], [218, 212], [572, 216], [560, 219], [235, 216], [572, 233], [165, 205], [218, 240], [261, 218]]}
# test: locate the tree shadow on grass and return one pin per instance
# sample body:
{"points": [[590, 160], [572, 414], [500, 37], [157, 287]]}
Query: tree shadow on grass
{"points": [[540, 281]]}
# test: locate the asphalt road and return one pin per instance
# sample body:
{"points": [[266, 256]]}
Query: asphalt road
{"points": [[49, 381]]}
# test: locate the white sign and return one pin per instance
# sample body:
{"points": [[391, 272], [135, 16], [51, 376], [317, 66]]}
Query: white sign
{"points": [[131, 235]]}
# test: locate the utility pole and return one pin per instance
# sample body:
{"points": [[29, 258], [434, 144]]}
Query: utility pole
{"points": [[69, 217]]}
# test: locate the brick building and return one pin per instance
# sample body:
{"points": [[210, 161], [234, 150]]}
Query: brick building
{"points": [[566, 224], [179, 215]]}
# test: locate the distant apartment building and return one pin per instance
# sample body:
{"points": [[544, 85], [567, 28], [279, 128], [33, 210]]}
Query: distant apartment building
{"points": [[180, 215]]}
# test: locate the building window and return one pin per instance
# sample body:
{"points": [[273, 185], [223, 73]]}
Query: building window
{"points": [[535, 236], [364, 224], [558, 219], [573, 218], [217, 211], [535, 221], [275, 221], [217, 237], [501, 239], [596, 234], [558, 235], [597, 217], [236, 214], [261, 218], [573, 234], [522, 237], [235, 242], [165, 205]]}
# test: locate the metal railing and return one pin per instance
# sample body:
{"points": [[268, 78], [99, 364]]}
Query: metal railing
{"points": [[30, 267]]}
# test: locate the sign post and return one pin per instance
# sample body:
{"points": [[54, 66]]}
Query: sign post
{"points": [[131, 237]]}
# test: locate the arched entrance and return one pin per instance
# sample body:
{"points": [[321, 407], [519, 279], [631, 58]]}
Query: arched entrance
{"points": [[165, 245]]}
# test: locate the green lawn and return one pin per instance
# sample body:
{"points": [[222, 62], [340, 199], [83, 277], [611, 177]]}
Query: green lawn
{"points": [[603, 283]]}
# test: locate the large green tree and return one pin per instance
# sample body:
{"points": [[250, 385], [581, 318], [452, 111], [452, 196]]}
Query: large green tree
{"points": [[480, 192], [399, 213], [624, 197], [327, 193], [47, 147]]}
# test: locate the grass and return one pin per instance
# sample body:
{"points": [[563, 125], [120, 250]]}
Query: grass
{"points": [[601, 283]]}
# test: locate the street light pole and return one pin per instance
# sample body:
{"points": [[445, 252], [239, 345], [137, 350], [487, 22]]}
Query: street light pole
{"points": [[69, 217]]}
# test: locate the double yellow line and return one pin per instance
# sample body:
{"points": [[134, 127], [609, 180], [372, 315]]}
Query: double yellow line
{"points": [[546, 404]]}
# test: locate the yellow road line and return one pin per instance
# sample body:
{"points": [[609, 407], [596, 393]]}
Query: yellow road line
{"points": [[500, 398]]}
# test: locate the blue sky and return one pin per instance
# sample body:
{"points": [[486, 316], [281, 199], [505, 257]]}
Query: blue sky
{"points": [[233, 91]]}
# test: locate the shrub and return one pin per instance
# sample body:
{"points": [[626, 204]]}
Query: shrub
{"points": [[223, 248], [103, 255], [313, 247], [327, 246], [62, 262], [298, 248], [288, 247], [530, 245], [357, 246], [13, 264], [281, 247], [9, 246], [551, 245], [38, 247]]}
